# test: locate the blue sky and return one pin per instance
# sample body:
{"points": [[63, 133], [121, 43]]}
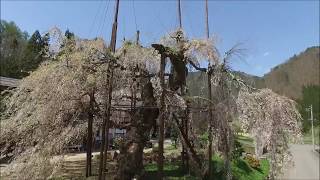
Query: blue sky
{"points": [[271, 31]]}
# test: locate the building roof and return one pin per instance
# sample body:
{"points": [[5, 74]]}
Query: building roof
{"points": [[9, 82]]}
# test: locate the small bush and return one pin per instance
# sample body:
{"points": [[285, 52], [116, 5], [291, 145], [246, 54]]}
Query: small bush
{"points": [[252, 161], [203, 139]]}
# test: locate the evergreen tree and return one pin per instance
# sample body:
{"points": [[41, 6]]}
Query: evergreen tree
{"points": [[68, 34], [12, 45], [45, 45], [33, 56], [19, 55], [67, 46], [311, 96]]}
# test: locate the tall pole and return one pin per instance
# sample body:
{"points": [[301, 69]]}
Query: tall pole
{"points": [[106, 124], [114, 29], [138, 37], [179, 14], [207, 20], [110, 77], [210, 97]]}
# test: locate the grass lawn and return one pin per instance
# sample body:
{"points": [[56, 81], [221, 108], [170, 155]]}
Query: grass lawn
{"points": [[240, 170]]}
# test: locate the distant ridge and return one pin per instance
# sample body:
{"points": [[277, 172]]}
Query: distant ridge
{"points": [[300, 70], [287, 79]]}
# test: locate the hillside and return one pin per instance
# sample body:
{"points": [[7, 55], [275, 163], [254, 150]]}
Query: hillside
{"points": [[300, 70], [286, 79]]}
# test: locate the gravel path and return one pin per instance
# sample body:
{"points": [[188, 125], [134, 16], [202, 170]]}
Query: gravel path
{"points": [[306, 164]]}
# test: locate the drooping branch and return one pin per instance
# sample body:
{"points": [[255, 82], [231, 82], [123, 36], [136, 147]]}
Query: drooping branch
{"points": [[196, 67]]}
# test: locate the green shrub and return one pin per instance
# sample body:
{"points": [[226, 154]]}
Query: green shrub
{"points": [[237, 151], [203, 139]]}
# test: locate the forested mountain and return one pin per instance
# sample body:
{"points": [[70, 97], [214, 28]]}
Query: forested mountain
{"points": [[299, 71]]}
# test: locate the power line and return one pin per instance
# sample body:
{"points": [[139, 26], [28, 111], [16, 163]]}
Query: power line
{"points": [[188, 20], [100, 30], [95, 18], [134, 14]]}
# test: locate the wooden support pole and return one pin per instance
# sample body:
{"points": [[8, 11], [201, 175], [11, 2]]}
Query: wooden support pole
{"points": [[102, 148], [210, 126], [89, 136], [105, 128], [187, 142], [187, 136], [161, 118], [108, 115]]}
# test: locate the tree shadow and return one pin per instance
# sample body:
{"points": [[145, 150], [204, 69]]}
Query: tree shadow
{"points": [[172, 173]]}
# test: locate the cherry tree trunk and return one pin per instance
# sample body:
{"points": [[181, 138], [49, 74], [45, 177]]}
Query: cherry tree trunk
{"points": [[131, 151]]}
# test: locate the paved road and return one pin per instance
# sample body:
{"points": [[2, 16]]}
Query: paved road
{"points": [[306, 164]]}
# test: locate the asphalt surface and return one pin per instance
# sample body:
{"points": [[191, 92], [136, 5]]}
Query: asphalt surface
{"points": [[306, 164]]}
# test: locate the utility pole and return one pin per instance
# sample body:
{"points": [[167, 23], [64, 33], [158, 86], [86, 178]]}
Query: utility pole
{"points": [[114, 29], [108, 93], [138, 37], [210, 97], [207, 20], [312, 131], [179, 14]]}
